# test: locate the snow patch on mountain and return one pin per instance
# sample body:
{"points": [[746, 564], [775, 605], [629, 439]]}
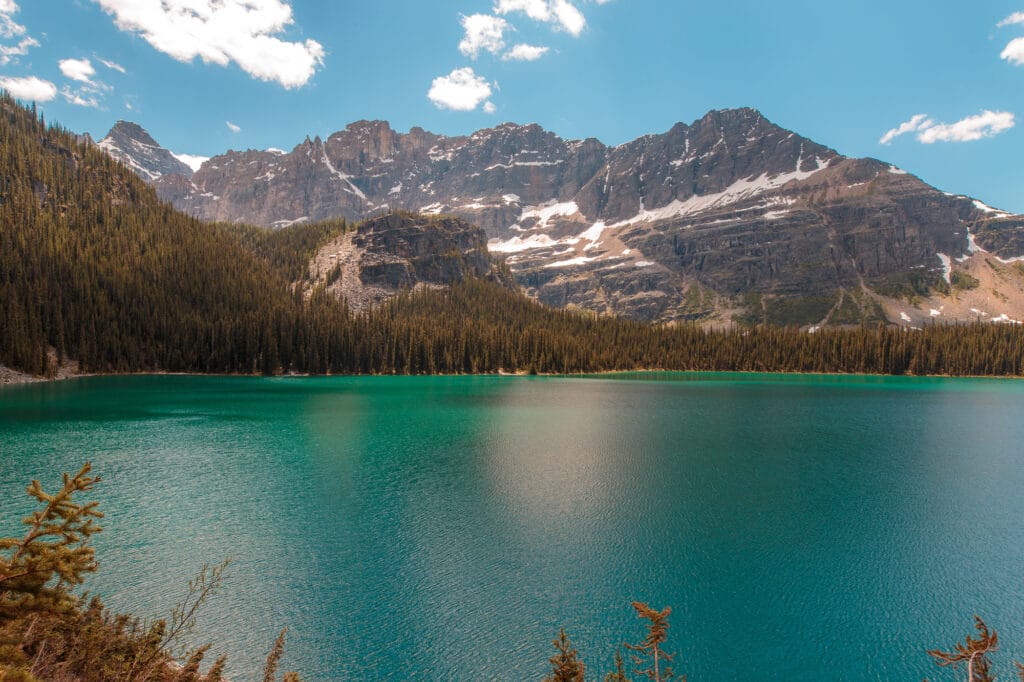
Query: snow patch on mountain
{"points": [[739, 191], [988, 209], [193, 161], [544, 213]]}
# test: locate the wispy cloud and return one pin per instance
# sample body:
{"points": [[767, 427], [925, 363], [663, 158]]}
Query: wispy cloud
{"points": [[461, 90], [81, 97], [483, 32], [85, 91], [10, 53], [525, 53], [1015, 18], [906, 127], [986, 124], [113, 66], [10, 29], [232, 127], [29, 88], [221, 32]]}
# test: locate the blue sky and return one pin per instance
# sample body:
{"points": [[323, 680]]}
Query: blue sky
{"points": [[843, 74]]}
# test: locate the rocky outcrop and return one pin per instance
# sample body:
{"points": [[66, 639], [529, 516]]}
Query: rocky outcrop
{"points": [[400, 251], [704, 221]]}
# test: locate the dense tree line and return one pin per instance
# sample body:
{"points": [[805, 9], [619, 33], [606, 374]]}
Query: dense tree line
{"points": [[477, 327], [93, 267]]}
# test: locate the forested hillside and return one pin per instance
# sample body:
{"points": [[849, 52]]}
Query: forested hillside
{"points": [[93, 267]]}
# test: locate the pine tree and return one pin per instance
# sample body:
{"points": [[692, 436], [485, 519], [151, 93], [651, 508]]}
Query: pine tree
{"points": [[565, 666], [619, 674], [37, 569], [649, 651]]}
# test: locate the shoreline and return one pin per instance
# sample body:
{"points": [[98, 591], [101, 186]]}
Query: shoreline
{"points": [[13, 377]]}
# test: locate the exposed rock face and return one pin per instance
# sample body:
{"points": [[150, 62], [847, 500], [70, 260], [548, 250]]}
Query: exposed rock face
{"points": [[403, 251], [132, 145], [705, 219]]}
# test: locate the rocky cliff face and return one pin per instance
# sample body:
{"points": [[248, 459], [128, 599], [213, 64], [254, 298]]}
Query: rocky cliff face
{"points": [[731, 216], [132, 145], [402, 251]]}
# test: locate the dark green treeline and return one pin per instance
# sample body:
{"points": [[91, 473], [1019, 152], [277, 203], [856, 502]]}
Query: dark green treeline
{"points": [[95, 267]]}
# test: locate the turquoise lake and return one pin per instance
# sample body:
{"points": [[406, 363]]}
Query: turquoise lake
{"points": [[444, 528]]}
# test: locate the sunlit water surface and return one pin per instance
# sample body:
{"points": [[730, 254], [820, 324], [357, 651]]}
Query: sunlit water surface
{"points": [[444, 528]]}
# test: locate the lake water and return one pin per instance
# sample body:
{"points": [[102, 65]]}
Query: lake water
{"points": [[443, 528]]}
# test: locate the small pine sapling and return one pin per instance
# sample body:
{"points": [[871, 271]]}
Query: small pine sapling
{"points": [[619, 674], [565, 665]]}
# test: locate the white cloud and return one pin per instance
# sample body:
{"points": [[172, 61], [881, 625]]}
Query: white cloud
{"points": [[461, 90], [232, 127], [9, 53], [1014, 52], [483, 32], [986, 124], [82, 97], [89, 92], [80, 70], [1015, 18], [569, 18], [489, 108], [525, 53], [562, 13], [111, 65], [538, 10], [910, 126], [221, 32], [8, 27], [29, 88]]}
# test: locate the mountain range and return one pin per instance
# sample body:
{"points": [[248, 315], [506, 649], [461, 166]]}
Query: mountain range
{"points": [[730, 218]]}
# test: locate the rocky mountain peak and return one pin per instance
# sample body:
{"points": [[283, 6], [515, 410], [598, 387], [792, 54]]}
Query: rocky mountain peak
{"points": [[132, 145], [127, 131]]}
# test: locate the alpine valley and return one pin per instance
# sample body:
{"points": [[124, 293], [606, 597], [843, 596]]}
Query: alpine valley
{"points": [[729, 219]]}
